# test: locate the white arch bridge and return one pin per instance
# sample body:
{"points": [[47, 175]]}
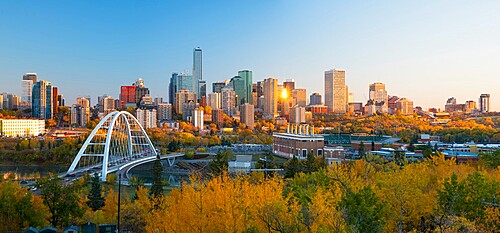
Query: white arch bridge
{"points": [[117, 142]]}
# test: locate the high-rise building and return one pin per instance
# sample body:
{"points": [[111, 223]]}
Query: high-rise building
{"points": [[29, 79], [187, 109], [146, 101], [79, 114], [1, 101], [217, 86], [335, 91], [379, 96], [202, 90], [60, 98], [228, 96], [470, 106], [246, 96], [181, 97], [172, 88], [41, 101], [484, 103], [299, 97], [289, 85], [315, 99], [270, 89], [108, 105], [197, 118], [55, 102], [146, 117], [197, 70], [127, 96], [164, 111], [214, 100], [26, 86], [405, 106], [297, 115], [247, 115], [140, 91], [218, 117]]}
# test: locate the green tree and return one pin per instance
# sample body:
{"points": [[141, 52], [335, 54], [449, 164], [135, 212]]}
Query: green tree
{"points": [[363, 211], [411, 147], [189, 153], [61, 200], [361, 149], [491, 160], [292, 167], [157, 187], [468, 197], [96, 200], [173, 146], [219, 165]]}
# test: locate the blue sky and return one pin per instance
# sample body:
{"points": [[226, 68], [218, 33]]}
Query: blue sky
{"points": [[427, 51]]}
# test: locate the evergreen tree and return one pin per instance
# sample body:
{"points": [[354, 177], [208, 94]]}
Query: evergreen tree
{"points": [[292, 167], [361, 149], [96, 200], [157, 187], [219, 164], [411, 147]]}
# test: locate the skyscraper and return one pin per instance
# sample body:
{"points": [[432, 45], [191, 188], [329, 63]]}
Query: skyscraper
{"points": [[197, 70], [214, 100], [289, 85], [172, 88], [55, 102], [335, 91], [228, 101], [29, 79], [299, 97], [270, 97], [484, 103], [140, 91], [379, 96], [127, 96], [315, 99], [181, 97], [41, 101], [246, 75], [217, 86], [247, 114]]}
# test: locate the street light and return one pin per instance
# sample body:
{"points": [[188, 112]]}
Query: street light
{"points": [[119, 198]]}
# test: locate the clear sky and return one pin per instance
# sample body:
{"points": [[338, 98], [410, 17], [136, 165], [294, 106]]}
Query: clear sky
{"points": [[427, 51]]}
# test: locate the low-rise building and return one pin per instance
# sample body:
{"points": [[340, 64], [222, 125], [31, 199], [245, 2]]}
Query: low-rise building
{"points": [[21, 127], [299, 140]]}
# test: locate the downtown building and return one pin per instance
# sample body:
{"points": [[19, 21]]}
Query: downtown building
{"points": [[80, 112], [335, 91], [146, 118], [229, 100], [378, 96], [41, 102], [247, 115], [29, 79], [299, 141], [270, 92]]}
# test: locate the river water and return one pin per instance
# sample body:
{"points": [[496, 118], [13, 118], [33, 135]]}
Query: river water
{"points": [[29, 172]]}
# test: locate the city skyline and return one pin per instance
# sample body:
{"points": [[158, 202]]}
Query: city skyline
{"points": [[455, 61]]}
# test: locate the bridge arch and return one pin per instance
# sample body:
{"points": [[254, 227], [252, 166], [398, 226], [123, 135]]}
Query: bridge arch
{"points": [[118, 138]]}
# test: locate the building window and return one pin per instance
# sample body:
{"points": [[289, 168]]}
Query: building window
{"points": [[304, 153], [320, 152]]}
